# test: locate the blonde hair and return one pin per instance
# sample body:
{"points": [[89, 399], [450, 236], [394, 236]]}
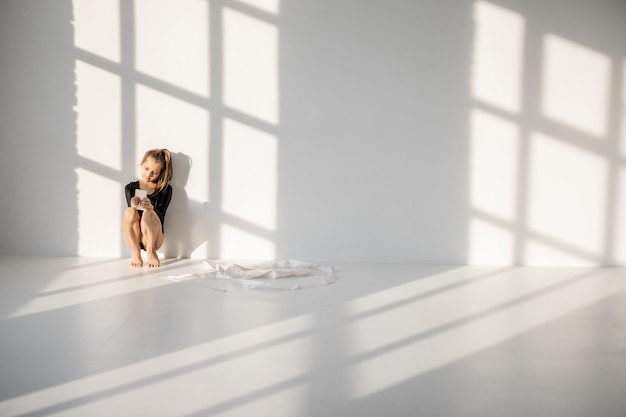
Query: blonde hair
{"points": [[164, 158]]}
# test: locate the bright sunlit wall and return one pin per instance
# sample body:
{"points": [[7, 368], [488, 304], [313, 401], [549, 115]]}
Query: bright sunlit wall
{"points": [[323, 130], [544, 165]]}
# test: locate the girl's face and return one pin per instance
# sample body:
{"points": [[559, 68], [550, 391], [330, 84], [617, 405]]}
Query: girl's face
{"points": [[150, 170]]}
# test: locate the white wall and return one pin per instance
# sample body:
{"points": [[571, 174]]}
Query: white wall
{"points": [[422, 131]]}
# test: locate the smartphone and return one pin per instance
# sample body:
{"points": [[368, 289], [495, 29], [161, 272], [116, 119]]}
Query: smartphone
{"points": [[141, 194]]}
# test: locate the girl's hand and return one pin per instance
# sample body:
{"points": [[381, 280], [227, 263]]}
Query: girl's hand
{"points": [[146, 204], [134, 202]]}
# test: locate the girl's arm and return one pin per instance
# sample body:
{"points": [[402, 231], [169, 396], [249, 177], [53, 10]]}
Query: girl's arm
{"points": [[162, 202], [131, 200]]}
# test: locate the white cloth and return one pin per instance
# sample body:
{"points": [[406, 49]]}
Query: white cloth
{"points": [[286, 274]]}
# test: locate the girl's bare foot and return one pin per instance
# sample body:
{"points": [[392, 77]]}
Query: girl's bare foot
{"points": [[153, 260], [136, 261]]}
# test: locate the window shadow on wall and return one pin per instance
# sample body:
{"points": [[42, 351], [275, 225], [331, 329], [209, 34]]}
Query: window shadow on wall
{"points": [[546, 159]]}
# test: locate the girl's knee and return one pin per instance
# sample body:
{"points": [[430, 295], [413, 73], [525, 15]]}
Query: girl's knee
{"points": [[149, 217], [130, 215]]}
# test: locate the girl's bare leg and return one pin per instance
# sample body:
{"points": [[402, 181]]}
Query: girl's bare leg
{"points": [[152, 236], [132, 235]]}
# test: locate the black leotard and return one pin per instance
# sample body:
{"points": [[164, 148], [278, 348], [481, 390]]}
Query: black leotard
{"points": [[160, 200]]}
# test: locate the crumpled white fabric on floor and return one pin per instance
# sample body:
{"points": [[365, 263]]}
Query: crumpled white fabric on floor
{"points": [[288, 274]]}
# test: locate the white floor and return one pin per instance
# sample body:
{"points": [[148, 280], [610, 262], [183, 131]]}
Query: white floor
{"points": [[93, 337]]}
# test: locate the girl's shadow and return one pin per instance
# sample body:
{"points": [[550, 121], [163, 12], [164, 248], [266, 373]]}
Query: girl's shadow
{"points": [[183, 234]]}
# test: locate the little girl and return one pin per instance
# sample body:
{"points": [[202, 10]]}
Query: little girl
{"points": [[143, 220]]}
